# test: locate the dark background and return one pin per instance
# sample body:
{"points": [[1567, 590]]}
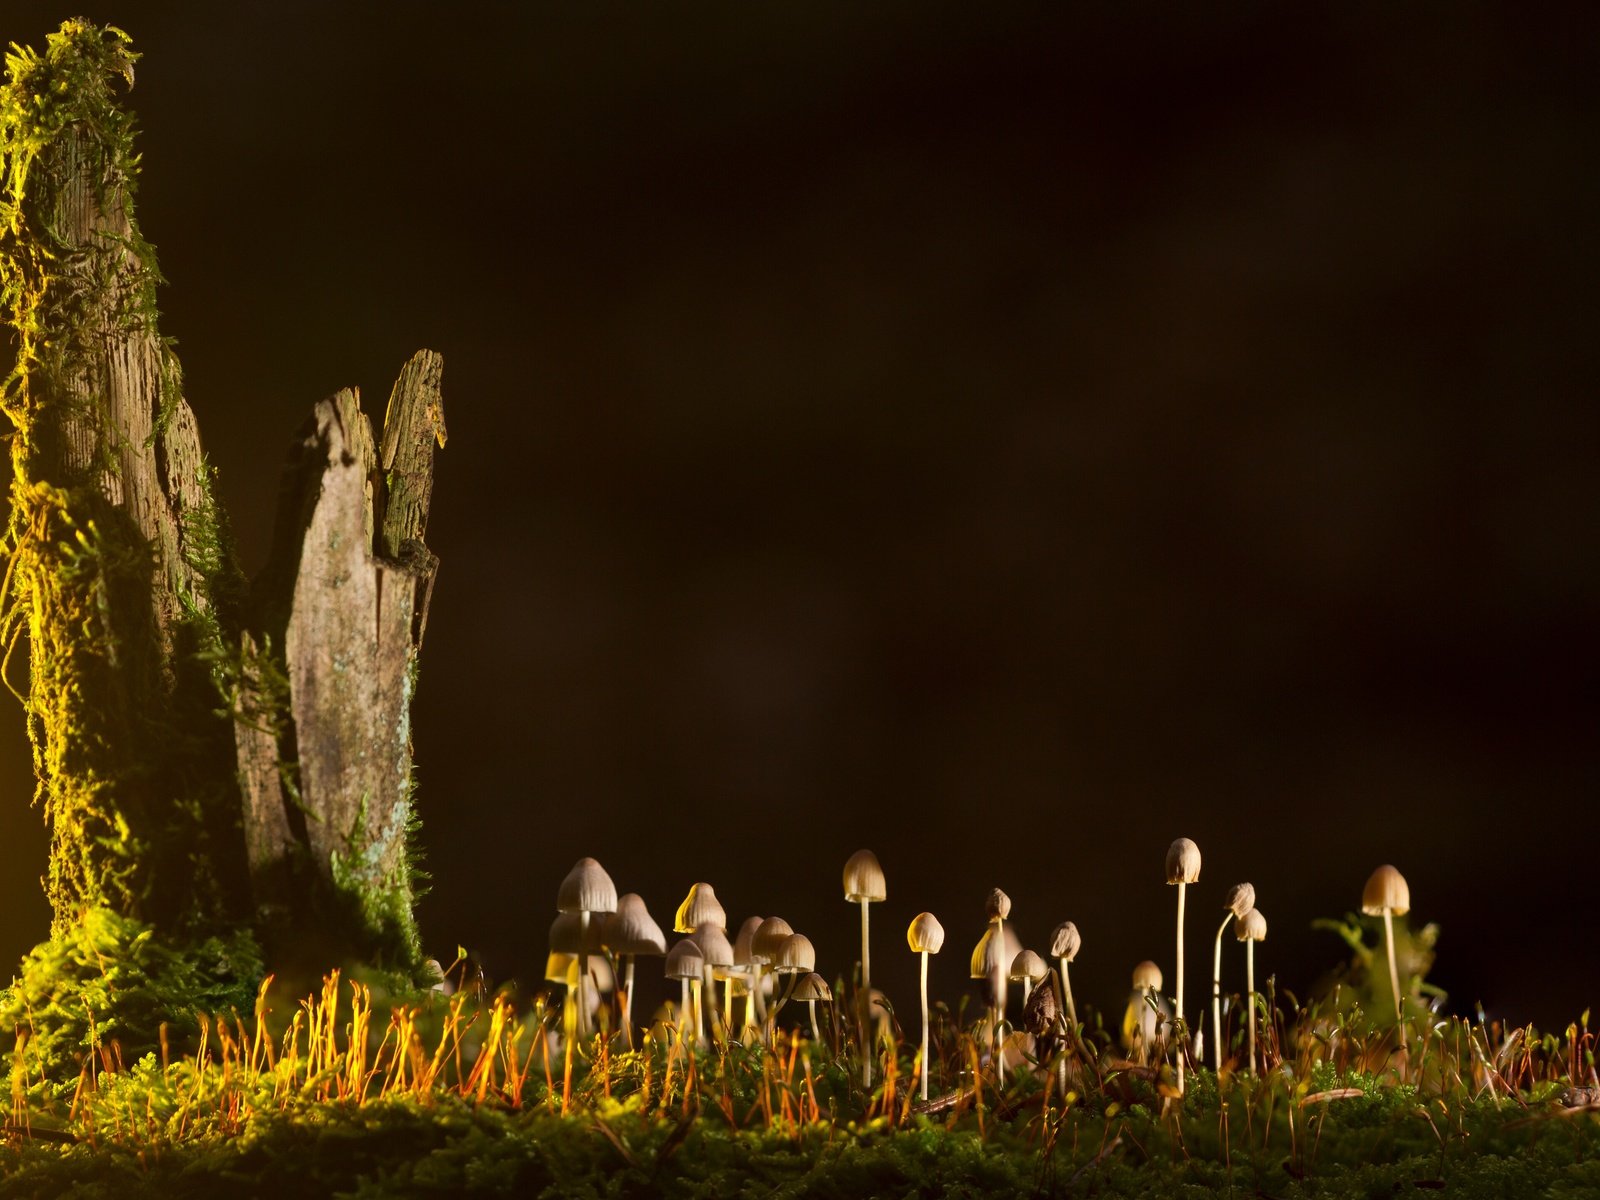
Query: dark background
{"points": [[1008, 439]]}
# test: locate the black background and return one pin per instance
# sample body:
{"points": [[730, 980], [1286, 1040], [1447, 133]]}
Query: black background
{"points": [[1005, 438]]}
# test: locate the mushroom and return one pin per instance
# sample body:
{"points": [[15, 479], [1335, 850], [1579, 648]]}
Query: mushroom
{"points": [[718, 954], [1064, 945], [1183, 868], [699, 907], [1387, 895], [864, 885], [764, 951], [1146, 1012], [794, 956], [686, 964], [586, 890], [926, 936], [629, 932], [990, 958], [1252, 928], [811, 988], [744, 959], [1240, 899], [1027, 969]]}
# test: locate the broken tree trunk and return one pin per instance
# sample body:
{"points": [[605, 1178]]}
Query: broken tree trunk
{"points": [[291, 801]]}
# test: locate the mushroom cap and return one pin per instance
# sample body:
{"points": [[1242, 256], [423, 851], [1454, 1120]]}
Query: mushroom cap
{"points": [[684, 960], [1183, 862], [1240, 898], [1029, 966], [994, 953], [555, 966], [714, 945], [769, 937], [743, 954], [587, 888], [699, 907], [863, 877], [631, 929], [1065, 941], [926, 935], [566, 935], [1385, 892], [811, 987], [795, 954], [1147, 975], [1252, 927], [997, 905]]}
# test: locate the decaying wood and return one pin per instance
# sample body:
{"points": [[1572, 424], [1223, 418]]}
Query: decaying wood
{"points": [[347, 587]]}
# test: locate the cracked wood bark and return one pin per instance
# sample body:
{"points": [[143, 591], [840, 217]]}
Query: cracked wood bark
{"points": [[346, 595]]}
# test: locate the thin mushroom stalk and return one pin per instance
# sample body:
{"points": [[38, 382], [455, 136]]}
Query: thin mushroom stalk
{"points": [[1388, 895], [926, 936], [1241, 898], [1183, 868], [1252, 929], [865, 1001], [1394, 974], [863, 885]]}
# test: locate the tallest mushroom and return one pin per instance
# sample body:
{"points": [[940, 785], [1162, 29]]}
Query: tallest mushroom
{"points": [[1388, 896], [864, 885], [1183, 868], [586, 890]]}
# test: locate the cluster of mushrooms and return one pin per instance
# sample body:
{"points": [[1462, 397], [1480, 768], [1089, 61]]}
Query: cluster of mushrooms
{"points": [[767, 964]]}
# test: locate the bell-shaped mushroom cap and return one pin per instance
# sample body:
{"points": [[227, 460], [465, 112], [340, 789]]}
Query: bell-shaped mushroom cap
{"points": [[811, 987], [795, 954], [997, 906], [556, 964], [1183, 862], [632, 930], [769, 937], [1252, 927], [994, 953], [1385, 892], [1240, 898], [699, 907], [744, 942], [1065, 941], [714, 945], [1029, 966], [1147, 975], [863, 877], [587, 888], [566, 932], [684, 960], [926, 935]]}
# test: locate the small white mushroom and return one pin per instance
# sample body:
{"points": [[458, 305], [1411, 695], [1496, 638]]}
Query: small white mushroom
{"points": [[1387, 895], [1240, 899], [1183, 868], [925, 936], [586, 890], [1252, 928], [864, 885]]}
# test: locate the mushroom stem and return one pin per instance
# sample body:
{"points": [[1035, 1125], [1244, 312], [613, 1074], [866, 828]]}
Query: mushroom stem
{"points": [[1216, 994], [1394, 974], [727, 1003], [583, 971], [794, 982], [627, 997], [924, 1026], [1177, 1016], [698, 986], [1250, 984], [683, 1008], [1066, 993], [999, 1004], [750, 997], [816, 1034], [864, 999]]}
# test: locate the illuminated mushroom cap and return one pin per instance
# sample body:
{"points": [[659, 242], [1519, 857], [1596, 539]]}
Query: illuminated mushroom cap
{"points": [[1183, 862], [1240, 899], [926, 935], [863, 877], [566, 936], [812, 987], [1064, 941], [795, 955], [632, 930], [714, 945], [699, 907], [555, 966], [1029, 966], [1252, 927], [1147, 975], [994, 950], [684, 960], [587, 888], [769, 937], [744, 942], [997, 906], [1386, 892]]}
